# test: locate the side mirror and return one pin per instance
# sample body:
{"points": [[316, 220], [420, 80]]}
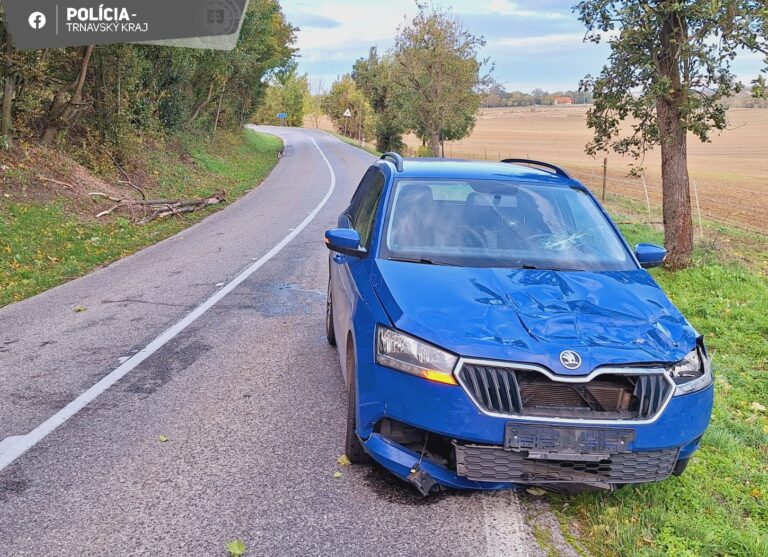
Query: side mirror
{"points": [[650, 255], [346, 241]]}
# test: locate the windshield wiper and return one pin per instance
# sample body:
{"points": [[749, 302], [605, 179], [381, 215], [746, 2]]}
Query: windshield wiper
{"points": [[536, 268], [423, 261]]}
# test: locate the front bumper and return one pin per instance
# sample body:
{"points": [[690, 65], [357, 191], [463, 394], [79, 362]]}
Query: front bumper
{"points": [[481, 462]]}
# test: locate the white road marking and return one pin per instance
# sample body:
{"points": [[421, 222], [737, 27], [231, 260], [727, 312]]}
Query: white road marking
{"points": [[13, 447], [506, 532]]}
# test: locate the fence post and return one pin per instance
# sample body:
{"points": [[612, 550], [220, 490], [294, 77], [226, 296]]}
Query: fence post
{"points": [[698, 207], [647, 198], [605, 176]]}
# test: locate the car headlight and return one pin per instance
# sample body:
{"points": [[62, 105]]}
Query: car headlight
{"points": [[692, 373], [407, 354]]}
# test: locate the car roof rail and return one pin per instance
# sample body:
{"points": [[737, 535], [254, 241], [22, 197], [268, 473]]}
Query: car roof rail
{"points": [[396, 158], [559, 171]]}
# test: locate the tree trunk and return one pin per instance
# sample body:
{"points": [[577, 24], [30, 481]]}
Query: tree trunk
{"points": [[676, 193], [202, 105], [7, 119], [218, 110], [678, 223], [63, 111], [434, 143], [6, 123]]}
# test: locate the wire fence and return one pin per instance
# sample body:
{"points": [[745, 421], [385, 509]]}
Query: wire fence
{"points": [[731, 204]]}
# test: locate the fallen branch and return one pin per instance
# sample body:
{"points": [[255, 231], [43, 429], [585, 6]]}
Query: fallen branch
{"points": [[105, 196], [70, 186], [127, 178], [160, 207], [108, 211]]}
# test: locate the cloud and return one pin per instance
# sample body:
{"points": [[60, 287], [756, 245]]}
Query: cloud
{"points": [[516, 32], [357, 21], [552, 41], [305, 19], [505, 7], [558, 39]]}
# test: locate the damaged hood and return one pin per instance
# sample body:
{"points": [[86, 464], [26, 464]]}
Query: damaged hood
{"points": [[609, 318]]}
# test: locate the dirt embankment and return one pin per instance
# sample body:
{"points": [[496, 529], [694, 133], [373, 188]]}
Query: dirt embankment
{"points": [[35, 174]]}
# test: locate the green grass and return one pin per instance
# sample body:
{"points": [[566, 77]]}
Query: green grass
{"points": [[720, 505], [43, 245], [369, 147]]}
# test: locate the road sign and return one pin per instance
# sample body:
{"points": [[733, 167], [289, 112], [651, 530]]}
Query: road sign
{"points": [[282, 115], [347, 113]]}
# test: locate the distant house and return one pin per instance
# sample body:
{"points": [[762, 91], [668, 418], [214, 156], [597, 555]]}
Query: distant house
{"points": [[564, 100]]}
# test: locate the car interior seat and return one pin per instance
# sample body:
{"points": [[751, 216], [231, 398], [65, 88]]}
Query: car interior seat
{"points": [[414, 222]]}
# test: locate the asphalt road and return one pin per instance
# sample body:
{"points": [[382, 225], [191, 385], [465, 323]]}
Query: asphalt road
{"points": [[248, 400]]}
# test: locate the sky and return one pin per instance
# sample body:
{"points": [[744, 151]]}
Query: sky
{"points": [[533, 43]]}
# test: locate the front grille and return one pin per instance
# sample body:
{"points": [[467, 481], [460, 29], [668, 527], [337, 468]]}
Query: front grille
{"points": [[494, 464], [519, 392]]}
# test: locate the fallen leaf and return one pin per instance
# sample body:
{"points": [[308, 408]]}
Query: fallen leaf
{"points": [[163, 438], [343, 460], [236, 548], [337, 475], [756, 493], [80, 309], [535, 491], [757, 407]]}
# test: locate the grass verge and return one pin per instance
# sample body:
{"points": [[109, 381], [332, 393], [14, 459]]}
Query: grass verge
{"points": [[367, 147], [719, 506], [43, 244]]}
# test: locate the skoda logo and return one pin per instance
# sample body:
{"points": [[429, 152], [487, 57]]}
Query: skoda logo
{"points": [[570, 359]]}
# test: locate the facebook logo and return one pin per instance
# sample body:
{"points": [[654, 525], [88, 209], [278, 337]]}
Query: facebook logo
{"points": [[37, 20]]}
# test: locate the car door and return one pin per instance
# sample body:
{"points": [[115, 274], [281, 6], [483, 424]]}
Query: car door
{"points": [[360, 216]]}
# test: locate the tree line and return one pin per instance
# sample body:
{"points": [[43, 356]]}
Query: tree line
{"points": [[106, 98], [430, 83], [498, 96]]}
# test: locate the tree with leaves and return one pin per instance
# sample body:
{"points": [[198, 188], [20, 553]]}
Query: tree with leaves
{"points": [[373, 76], [344, 96], [669, 73], [437, 74], [101, 100], [287, 93]]}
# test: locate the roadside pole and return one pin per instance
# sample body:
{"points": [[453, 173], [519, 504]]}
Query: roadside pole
{"points": [[605, 176], [647, 198], [698, 207]]}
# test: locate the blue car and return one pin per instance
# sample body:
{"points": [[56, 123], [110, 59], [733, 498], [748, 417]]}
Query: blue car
{"points": [[496, 330]]}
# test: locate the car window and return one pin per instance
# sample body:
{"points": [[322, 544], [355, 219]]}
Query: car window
{"points": [[498, 223], [365, 184], [366, 211]]}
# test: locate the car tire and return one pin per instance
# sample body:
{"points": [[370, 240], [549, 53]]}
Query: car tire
{"points": [[330, 334], [680, 467], [353, 448]]}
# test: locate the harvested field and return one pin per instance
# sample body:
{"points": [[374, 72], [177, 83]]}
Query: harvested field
{"points": [[730, 173]]}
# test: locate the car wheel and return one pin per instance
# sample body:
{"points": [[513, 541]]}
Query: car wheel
{"points": [[353, 448], [329, 332], [680, 467]]}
